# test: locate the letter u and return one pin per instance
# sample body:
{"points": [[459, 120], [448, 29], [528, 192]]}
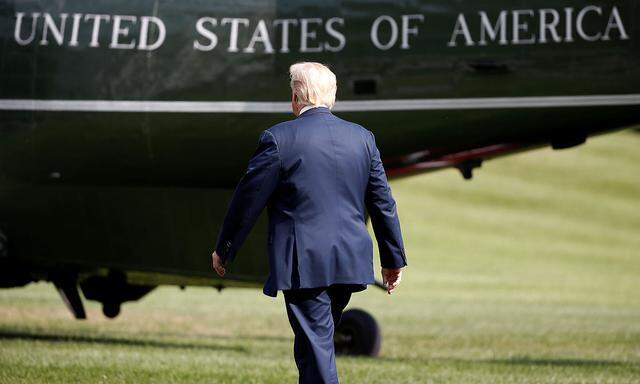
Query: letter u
{"points": [[34, 22]]}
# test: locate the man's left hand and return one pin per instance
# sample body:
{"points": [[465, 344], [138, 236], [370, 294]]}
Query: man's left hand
{"points": [[217, 264]]}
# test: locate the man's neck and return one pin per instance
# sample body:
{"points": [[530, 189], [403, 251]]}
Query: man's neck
{"points": [[308, 107]]}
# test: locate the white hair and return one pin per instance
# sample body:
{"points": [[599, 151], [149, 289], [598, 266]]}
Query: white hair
{"points": [[313, 84]]}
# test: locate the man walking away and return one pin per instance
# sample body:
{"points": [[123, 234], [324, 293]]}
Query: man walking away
{"points": [[317, 174]]}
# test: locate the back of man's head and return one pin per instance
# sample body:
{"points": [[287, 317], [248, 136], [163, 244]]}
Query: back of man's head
{"points": [[313, 84]]}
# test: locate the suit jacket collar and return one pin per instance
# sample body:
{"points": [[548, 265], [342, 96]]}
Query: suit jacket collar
{"points": [[314, 111]]}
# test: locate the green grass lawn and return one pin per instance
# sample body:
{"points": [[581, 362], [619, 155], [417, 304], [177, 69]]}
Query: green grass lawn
{"points": [[530, 273]]}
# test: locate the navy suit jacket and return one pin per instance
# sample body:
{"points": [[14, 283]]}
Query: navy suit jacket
{"points": [[316, 174]]}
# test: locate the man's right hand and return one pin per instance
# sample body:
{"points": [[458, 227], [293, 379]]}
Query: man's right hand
{"points": [[217, 264], [391, 278]]}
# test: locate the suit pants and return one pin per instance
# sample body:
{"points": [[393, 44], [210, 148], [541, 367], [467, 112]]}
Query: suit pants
{"points": [[313, 314]]}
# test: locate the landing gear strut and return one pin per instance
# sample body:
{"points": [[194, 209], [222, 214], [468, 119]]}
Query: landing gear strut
{"points": [[67, 286]]}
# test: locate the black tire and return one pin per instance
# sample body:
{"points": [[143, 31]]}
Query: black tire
{"points": [[357, 334], [110, 309]]}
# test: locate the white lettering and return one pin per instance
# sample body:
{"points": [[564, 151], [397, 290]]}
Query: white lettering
{"points": [[144, 33], [406, 31], [213, 39], [284, 46], [374, 32], [73, 41], [486, 28], [233, 35], [260, 35], [544, 26], [50, 25], [96, 27], [579, 26], [461, 27], [615, 22], [305, 35], [568, 14], [118, 31], [554, 25], [32, 35], [517, 27], [332, 32]]}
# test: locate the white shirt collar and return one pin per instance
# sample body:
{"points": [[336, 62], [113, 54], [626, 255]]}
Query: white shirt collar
{"points": [[308, 107]]}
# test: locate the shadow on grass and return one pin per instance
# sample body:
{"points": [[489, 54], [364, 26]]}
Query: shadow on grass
{"points": [[523, 360], [61, 338], [556, 362]]}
